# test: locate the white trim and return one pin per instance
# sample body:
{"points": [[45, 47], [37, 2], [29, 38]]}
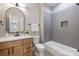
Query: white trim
{"points": [[43, 9]]}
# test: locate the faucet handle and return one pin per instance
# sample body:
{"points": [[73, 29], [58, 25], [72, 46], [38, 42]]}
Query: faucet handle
{"points": [[78, 50]]}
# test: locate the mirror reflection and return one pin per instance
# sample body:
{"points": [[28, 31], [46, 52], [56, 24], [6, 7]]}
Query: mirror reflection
{"points": [[15, 20]]}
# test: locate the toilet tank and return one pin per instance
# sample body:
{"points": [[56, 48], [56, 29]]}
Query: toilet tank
{"points": [[36, 39]]}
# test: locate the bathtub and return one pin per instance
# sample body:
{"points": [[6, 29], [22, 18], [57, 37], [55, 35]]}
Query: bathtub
{"points": [[57, 49]]}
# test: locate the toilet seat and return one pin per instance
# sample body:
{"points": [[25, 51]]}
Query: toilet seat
{"points": [[39, 45]]}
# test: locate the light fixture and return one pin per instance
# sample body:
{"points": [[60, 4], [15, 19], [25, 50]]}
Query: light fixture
{"points": [[20, 5], [16, 4]]}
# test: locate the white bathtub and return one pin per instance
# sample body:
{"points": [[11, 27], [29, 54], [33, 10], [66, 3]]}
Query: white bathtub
{"points": [[58, 49]]}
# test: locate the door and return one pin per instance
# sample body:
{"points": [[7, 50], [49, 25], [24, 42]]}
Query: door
{"points": [[4, 52], [17, 51]]}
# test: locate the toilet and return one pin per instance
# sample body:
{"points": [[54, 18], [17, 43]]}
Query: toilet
{"points": [[39, 48]]}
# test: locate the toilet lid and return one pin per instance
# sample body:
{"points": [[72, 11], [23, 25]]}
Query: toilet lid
{"points": [[39, 45]]}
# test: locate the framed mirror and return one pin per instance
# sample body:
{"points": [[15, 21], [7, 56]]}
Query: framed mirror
{"points": [[15, 20]]}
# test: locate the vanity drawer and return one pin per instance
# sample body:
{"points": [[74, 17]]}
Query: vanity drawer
{"points": [[28, 49], [28, 52], [28, 46], [29, 40], [10, 44]]}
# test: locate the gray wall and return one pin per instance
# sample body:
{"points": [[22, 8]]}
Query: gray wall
{"points": [[32, 15], [47, 27], [66, 35]]}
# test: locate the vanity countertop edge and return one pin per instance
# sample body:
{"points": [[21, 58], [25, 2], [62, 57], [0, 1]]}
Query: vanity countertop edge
{"points": [[14, 38]]}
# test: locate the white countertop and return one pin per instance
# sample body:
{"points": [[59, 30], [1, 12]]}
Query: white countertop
{"points": [[12, 38]]}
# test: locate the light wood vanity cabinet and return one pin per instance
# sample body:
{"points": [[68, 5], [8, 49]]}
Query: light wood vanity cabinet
{"points": [[4, 52], [16, 48], [27, 47], [16, 51]]}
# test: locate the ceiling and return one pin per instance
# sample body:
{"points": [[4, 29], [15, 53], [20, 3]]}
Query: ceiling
{"points": [[52, 5]]}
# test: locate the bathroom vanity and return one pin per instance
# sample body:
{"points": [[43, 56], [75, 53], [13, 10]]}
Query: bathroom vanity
{"points": [[16, 46]]}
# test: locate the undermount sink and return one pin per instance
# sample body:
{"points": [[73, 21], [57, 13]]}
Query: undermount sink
{"points": [[17, 35]]}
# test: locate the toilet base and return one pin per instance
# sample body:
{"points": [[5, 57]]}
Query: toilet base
{"points": [[39, 54], [36, 53]]}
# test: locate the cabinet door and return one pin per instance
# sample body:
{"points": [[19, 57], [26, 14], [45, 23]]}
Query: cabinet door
{"points": [[4, 52], [17, 51]]}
